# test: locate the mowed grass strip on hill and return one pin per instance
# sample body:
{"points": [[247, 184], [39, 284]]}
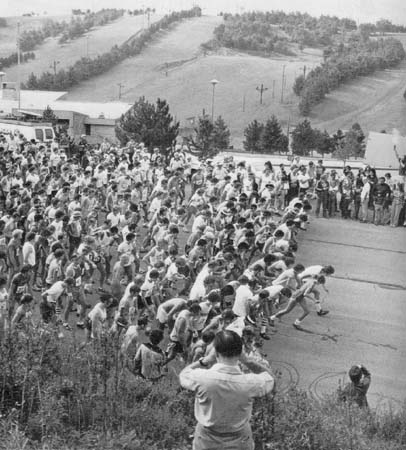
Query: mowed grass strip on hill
{"points": [[96, 41]]}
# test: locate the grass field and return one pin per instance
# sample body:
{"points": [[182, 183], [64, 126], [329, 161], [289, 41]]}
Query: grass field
{"points": [[97, 41], [8, 35]]}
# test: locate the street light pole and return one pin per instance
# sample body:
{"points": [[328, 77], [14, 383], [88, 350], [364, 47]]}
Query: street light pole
{"points": [[213, 82], [18, 67]]}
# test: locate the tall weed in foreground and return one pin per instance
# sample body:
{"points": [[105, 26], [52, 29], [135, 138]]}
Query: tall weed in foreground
{"points": [[65, 395]]}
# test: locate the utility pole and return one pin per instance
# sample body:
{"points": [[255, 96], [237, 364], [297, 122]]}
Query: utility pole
{"points": [[87, 46], [120, 86], [261, 90], [53, 66], [304, 71], [243, 103], [18, 66], [283, 82], [149, 18], [213, 82], [273, 89]]}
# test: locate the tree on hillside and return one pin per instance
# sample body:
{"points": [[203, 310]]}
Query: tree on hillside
{"points": [[149, 123], [211, 137], [339, 140], [304, 139], [298, 85], [48, 115], [272, 138], [359, 138], [204, 136], [253, 133], [353, 144], [221, 134], [344, 145], [324, 142]]}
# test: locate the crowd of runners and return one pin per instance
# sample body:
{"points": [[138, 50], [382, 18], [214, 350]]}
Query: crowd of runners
{"points": [[176, 247]]}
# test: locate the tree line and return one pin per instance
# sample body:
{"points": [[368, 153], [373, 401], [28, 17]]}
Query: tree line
{"points": [[269, 138], [11, 60], [86, 67], [153, 125], [30, 39], [140, 12], [359, 58], [79, 26], [274, 30]]}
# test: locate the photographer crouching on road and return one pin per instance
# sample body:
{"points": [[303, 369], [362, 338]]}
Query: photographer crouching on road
{"points": [[224, 394]]}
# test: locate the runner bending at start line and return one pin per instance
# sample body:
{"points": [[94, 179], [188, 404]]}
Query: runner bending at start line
{"points": [[307, 289]]}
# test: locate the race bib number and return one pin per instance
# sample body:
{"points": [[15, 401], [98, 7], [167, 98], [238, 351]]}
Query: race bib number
{"points": [[20, 290], [78, 281]]}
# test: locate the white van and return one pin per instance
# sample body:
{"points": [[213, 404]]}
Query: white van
{"points": [[41, 131]]}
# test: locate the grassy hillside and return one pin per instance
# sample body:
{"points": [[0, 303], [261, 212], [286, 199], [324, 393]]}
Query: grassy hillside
{"points": [[376, 102], [187, 83], [8, 35], [174, 67], [98, 40]]}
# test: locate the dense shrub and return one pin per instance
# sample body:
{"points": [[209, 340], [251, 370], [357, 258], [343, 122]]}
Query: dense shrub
{"points": [[12, 59]]}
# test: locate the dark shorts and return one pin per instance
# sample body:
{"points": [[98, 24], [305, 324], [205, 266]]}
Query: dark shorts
{"points": [[175, 347], [47, 310]]}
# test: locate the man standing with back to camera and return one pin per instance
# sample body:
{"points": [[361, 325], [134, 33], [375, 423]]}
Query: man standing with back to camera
{"points": [[224, 394]]}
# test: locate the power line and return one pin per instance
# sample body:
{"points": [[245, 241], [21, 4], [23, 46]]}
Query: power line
{"points": [[53, 66], [283, 82], [120, 86], [261, 90]]}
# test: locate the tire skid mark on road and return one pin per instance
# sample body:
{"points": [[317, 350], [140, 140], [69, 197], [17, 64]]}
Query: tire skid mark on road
{"points": [[324, 336], [327, 336], [293, 376], [392, 347], [357, 246], [382, 285], [314, 385]]}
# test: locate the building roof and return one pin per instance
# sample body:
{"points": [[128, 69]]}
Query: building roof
{"points": [[380, 150], [30, 99], [110, 110], [39, 100]]}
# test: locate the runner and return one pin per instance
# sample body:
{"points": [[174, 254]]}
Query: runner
{"points": [[299, 297]]}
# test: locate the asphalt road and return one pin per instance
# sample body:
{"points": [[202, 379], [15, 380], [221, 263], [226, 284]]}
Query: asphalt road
{"points": [[366, 323]]}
